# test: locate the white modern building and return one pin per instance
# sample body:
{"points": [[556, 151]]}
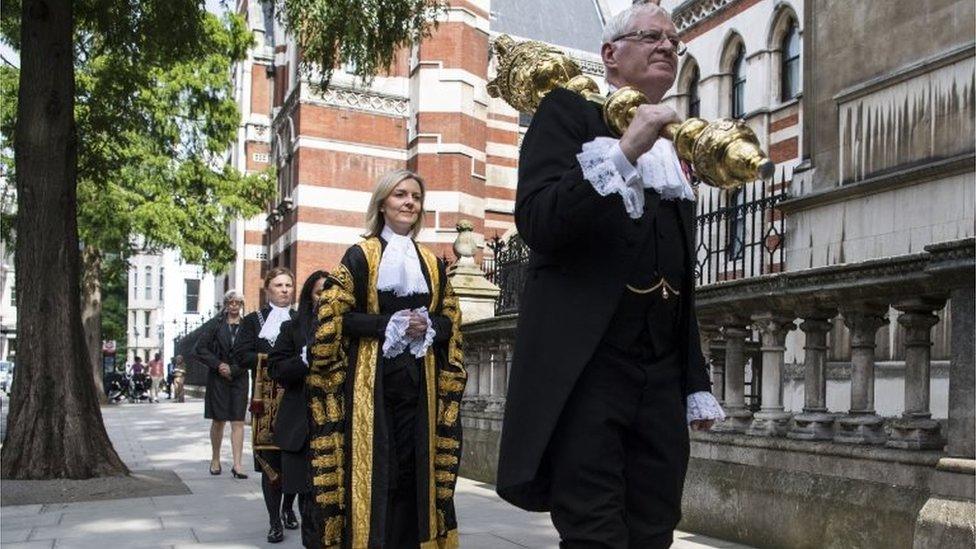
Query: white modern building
{"points": [[167, 298], [8, 288]]}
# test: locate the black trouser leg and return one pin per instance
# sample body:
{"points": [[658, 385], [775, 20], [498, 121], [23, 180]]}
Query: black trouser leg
{"points": [[306, 507], [287, 502], [272, 498], [618, 457], [400, 395]]}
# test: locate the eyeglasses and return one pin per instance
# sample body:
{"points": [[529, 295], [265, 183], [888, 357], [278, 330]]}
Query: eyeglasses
{"points": [[653, 37]]}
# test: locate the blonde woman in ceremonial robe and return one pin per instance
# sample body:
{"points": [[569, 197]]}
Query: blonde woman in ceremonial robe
{"points": [[385, 385]]}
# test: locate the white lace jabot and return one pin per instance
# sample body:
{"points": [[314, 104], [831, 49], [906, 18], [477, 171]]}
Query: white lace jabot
{"points": [[400, 266], [272, 324], [608, 170]]}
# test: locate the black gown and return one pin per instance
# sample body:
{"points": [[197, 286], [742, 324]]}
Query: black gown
{"points": [[246, 349], [285, 365], [386, 443], [225, 400]]}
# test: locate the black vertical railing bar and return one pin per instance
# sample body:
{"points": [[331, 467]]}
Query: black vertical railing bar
{"points": [[756, 212]]}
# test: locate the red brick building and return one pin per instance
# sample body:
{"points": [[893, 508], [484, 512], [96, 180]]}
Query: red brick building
{"points": [[430, 113]]}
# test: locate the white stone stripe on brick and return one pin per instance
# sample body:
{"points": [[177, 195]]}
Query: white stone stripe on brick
{"points": [[357, 201], [351, 148]]}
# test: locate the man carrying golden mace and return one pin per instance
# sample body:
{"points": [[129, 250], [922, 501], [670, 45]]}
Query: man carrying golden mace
{"points": [[599, 403]]}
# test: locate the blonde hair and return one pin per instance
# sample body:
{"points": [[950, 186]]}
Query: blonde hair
{"points": [[385, 186], [278, 271]]}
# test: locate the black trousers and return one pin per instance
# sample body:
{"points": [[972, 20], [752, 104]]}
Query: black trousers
{"points": [[619, 453], [400, 395]]}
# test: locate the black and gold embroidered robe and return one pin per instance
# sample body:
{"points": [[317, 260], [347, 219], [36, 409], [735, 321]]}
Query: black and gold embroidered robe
{"points": [[349, 455]]}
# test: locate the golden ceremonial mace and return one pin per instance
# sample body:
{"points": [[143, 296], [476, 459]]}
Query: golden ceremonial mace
{"points": [[724, 153]]}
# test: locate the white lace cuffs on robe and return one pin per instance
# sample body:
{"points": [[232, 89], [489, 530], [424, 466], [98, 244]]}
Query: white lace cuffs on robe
{"points": [[703, 406], [606, 168], [396, 340]]}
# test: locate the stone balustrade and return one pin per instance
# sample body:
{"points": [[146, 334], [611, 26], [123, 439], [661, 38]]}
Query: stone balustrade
{"points": [[917, 286]]}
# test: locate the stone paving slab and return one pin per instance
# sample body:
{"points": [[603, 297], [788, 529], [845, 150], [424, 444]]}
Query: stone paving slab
{"points": [[221, 512]]}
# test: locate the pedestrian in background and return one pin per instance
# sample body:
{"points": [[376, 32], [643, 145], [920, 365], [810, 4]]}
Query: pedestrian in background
{"points": [[137, 367], [259, 332], [288, 365], [156, 375], [226, 397], [179, 371]]}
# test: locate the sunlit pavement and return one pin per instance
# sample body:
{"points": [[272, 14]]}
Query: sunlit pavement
{"points": [[221, 511]]}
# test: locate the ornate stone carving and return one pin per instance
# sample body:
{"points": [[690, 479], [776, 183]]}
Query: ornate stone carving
{"points": [[692, 13], [363, 100]]}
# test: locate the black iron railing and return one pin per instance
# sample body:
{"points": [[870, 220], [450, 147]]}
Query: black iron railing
{"points": [[740, 233]]}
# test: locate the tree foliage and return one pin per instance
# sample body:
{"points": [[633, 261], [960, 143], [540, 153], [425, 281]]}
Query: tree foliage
{"points": [[363, 33], [153, 130]]}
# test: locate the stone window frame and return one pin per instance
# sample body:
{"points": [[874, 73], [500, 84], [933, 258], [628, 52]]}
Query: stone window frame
{"points": [[784, 20], [689, 80], [734, 43]]}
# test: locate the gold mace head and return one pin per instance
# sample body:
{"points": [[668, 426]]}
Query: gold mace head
{"points": [[527, 71], [725, 153]]}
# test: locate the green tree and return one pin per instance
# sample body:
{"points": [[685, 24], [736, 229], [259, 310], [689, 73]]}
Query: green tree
{"points": [[365, 33], [124, 109]]}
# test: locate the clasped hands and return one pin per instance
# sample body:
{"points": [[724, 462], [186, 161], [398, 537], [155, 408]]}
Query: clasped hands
{"points": [[224, 370], [417, 327]]}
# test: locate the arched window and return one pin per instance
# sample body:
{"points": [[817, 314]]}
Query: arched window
{"points": [[790, 63], [739, 82], [161, 270], [694, 100], [149, 283]]}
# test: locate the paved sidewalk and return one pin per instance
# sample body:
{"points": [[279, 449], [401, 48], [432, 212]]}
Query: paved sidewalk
{"points": [[222, 512]]}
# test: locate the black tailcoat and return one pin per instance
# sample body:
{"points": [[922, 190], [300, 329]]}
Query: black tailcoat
{"points": [[583, 248]]}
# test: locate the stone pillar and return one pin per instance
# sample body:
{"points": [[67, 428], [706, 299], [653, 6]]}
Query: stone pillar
{"points": [[737, 416], [476, 295], [772, 420], [815, 423], [962, 376], [915, 429], [861, 425], [475, 358], [715, 356], [484, 370], [499, 374]]}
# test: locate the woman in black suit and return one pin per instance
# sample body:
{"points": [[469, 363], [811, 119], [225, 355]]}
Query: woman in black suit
{"points": [[226, 398], [288, 365], [259, 332]]}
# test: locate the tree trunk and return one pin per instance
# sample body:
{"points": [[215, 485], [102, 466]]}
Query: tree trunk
{"points": [[91, 314], [55, 427]]}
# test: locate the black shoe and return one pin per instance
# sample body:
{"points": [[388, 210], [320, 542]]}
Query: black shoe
{"points": [[289, 519], [236, 474], [215, 471], [275, 534]]}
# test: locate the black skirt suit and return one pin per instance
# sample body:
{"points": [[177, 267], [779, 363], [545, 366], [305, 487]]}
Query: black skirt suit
{"points": [[225, 400]]}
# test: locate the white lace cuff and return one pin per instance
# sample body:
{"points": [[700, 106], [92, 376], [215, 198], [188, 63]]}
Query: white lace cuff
{"points": [[418, 346], [395, 338], [608, 170], [702, 405]]}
